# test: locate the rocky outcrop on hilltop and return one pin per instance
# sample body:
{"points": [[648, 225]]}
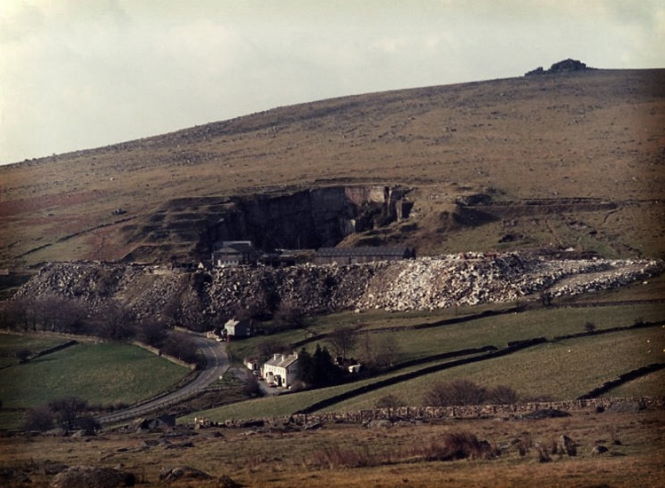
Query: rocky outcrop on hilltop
{"points": [[565, 66], [420, 284]]}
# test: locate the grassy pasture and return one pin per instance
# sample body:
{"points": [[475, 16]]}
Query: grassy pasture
{"points": [[562, 370], [614, 347], [104, 373], [499, 330], [11, 344]]}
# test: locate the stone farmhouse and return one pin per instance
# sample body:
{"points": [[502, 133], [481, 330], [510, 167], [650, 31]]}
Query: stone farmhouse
{"points": [[353, 255], [282, 370]]}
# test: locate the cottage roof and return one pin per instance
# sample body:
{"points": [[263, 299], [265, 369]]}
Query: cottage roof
{"points": [[362, 251], [235, 247], [282, 361]]}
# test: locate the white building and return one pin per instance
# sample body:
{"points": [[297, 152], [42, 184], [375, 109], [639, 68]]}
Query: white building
{"points": [[281, 370], [237, 328]]}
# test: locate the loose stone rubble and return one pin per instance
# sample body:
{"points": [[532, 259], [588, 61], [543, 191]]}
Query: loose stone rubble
{"points": [[420, 284]]}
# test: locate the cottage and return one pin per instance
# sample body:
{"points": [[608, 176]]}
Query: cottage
{"points": [[281, 370], [234, 253], [353, 255], [237, 328]]}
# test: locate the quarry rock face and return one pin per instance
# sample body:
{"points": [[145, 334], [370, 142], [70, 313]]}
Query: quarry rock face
{"points": [[418, 284], [188, 228]]}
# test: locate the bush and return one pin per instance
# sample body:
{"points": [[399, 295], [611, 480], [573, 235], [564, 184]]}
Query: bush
{"points": [[589, 326], [153, 333], [457, 392], [251, 387], [457, 445], [502, 395], [389, 401], [23, 355], [181, 346], [40, 418], [465, 392]]}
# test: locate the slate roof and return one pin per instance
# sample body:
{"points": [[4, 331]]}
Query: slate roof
{"points": [[282, 361], [363, 251]]}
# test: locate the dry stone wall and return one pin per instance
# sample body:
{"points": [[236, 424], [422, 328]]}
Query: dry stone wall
{"points": [[454, 412]]}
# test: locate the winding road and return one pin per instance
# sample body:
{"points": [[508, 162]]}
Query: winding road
{"points": [[216, 364]]}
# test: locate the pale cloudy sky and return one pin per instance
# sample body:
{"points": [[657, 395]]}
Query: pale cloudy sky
{"points": [[77, 74]]}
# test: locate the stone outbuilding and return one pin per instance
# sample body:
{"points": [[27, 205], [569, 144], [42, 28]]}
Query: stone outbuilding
{"points": [[353, 255], [234, 328]]}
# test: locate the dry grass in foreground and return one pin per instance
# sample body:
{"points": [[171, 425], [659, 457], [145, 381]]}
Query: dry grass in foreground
{"points": [[450, 453]]}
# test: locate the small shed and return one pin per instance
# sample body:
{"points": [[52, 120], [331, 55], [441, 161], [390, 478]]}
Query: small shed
{"points": [[353, 255], [237, 328]]}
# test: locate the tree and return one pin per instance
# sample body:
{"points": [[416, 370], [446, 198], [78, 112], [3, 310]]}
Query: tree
{"points": [[589, 327], [23, 355], [267, 348], [152, 332], [288, 316], [386, 352], [306, 372], [325, 371], [378, 352], [66, 411], [114, 321], [343, 340], [181, 346]]}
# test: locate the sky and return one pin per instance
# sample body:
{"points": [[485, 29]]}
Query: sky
{"points": [[78, 74]]}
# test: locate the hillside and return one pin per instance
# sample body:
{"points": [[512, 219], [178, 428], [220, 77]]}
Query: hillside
{"points": [[565, 159]]}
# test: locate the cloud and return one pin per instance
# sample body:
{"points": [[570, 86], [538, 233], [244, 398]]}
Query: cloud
{"points": [[81, 74]]}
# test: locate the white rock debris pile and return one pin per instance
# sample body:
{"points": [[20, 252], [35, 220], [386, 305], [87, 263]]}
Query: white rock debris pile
{"points": [[420, 284]]}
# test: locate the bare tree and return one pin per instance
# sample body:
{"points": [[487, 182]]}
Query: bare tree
{"points": [[343, 340]]}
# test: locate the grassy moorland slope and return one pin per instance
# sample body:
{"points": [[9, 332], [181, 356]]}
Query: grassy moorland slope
{"points": [[590, 134]]}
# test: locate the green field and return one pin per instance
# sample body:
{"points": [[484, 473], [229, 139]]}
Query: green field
{"points": [[561, 370], [102, 374], [544, 370], [652, 384], [496, 331], [10, 344]]}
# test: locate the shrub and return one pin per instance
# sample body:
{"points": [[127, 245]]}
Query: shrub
{"points": [[40, 418], [389, 401], [465, 392], [457, 392], [180, 346], [23, 355], [333, 457], [251, 387], [589, 326], [457, 445], [502, 394]]}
